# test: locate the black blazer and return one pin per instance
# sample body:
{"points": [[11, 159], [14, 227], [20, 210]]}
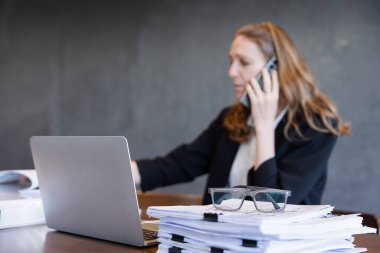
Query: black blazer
{"points": [[299, 166]]}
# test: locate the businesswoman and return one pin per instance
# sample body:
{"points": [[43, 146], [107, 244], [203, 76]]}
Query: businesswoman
{"points": [[282, 140]]}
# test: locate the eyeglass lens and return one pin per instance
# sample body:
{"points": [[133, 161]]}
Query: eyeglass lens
{"points": [[264, 201], [270, 201], [228, 200]]}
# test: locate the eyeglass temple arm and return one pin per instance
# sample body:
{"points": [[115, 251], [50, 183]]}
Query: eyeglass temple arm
{"points": [[274, 203]]}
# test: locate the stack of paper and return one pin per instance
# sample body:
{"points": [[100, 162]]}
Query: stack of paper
{"points": [[25, 206], [299, 228], [21, 212]]}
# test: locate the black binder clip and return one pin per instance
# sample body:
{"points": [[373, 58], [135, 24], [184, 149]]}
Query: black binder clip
{"points": [[175, 250], [216, 250], [249, 243], [213, 217], [178, 238]]}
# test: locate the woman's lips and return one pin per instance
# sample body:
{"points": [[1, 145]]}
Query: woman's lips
{"points": [[239, 87], [239, 90]]}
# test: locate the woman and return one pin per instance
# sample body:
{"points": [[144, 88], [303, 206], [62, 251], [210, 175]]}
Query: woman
{"points": [[283, 141]]}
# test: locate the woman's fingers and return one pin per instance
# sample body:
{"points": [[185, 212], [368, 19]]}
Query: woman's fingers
{"points": [[270, 89], [275, 83], [256, 87], [251, 93], [267, 85], [267, 82]]}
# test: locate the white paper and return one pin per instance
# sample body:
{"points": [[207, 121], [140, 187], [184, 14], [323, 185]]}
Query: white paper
{"points": [[299, 228], [246, 215], [310, 246], [21, 212]]}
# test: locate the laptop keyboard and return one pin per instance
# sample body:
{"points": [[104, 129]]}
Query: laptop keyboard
{"points": [[149, 234]]}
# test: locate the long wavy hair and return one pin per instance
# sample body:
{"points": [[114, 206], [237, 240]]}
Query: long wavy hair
{"points": [[298, 88]]}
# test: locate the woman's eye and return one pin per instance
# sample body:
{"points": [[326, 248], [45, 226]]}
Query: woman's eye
{"points": [[244, 63], [241, 62]]}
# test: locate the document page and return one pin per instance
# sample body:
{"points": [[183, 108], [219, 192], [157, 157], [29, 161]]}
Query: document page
{"points": [[21, 212], [246, 215]]}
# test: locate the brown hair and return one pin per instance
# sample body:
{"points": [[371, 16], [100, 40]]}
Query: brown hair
{"points": [[297, 87]]}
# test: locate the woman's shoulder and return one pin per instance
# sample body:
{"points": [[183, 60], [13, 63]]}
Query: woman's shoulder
{"points": [[218, 120]]}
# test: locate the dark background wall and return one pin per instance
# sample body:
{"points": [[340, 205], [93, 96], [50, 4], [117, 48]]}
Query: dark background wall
{"points": [[156, 72]]}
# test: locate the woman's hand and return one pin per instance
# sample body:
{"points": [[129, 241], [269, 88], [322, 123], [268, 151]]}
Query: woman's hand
{"points": [[264, 103], [264, 106], [135, 173]]}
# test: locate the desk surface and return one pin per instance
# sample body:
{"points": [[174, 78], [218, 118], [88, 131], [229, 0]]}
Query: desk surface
{"points": [[39, 238]]}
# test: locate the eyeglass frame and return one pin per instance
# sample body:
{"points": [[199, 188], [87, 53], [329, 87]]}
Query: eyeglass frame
{"points": [[247, 191]]}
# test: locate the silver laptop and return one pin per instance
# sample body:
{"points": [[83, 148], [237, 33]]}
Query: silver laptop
{"points": [[87, 187]]}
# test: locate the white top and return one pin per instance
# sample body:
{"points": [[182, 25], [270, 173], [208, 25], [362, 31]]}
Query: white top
{"points": [[245, 157]]}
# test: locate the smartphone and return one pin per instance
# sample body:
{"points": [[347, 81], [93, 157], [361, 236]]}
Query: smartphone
{"points": [[271, 65]]}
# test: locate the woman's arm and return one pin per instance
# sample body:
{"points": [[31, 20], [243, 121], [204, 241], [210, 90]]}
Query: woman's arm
{"points": [[184, 163], [264, 108], [135, 173], [299, 169]]}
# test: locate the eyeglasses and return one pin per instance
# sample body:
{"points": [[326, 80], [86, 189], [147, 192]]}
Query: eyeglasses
{"points": [[266, 200]]}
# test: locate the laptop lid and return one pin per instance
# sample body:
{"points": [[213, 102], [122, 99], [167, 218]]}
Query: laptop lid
{"points": [[87, 186]]}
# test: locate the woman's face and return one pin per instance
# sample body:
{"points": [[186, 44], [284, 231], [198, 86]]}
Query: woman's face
{"points": [[247, 61]]}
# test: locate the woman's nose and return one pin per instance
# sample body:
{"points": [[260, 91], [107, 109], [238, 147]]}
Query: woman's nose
{"points": [[233, 70]]}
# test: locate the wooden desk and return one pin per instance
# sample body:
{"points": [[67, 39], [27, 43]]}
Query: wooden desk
{"points": [[33, 239]]}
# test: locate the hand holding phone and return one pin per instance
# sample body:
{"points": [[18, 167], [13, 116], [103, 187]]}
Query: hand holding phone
{"points": [[271, 65]]}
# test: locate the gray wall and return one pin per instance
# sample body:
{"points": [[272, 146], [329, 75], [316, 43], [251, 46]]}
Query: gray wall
{"points": [[156, 72]]}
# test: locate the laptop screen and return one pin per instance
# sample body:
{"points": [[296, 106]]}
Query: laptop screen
{"points": [[87, 186]]}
